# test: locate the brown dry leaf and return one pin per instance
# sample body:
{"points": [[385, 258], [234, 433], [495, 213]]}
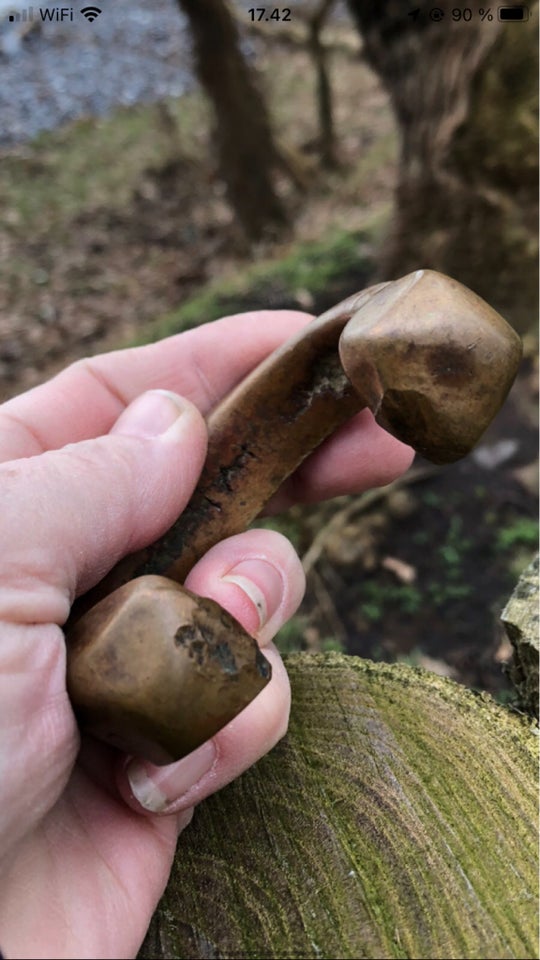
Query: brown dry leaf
{"points": [[440, 667], [504, 651], [404, 572], [528, 477]]}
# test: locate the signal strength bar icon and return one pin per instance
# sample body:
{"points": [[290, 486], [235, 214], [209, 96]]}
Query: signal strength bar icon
{"points": [[91, 13]]}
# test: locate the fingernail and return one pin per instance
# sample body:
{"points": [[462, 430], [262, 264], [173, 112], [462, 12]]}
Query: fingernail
{"points": [[158, 788], [262, 584], [152, 414]]}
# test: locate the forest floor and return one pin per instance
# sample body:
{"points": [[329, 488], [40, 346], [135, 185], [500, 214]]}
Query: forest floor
{"points": [[116, 230]]}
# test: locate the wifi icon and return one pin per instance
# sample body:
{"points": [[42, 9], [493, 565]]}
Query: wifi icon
{"points": [[91, 13]]}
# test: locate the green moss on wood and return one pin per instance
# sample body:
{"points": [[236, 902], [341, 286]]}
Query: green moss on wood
{"points": [[396, 819]]}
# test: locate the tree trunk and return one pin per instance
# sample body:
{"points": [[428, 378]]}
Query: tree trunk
{"points": [[396, 819], [465, 98], [246, 149], [325, 108]]}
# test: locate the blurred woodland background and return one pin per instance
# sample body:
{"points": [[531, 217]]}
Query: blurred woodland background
{"points": [[162, 168]]}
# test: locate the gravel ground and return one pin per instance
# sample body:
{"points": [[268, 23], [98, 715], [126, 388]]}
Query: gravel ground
{"points": [[53, 72]]}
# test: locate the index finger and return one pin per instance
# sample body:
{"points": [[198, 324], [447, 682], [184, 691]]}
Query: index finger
{"points": [[86, 399]]}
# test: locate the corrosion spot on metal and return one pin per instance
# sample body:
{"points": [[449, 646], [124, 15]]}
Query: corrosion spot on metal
{"points": [[225, 657]]}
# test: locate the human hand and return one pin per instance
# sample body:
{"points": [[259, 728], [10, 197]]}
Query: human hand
{"points": [[90, 471]]}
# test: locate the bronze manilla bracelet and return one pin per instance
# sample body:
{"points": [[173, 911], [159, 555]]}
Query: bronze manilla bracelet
{"points": [[155, 670]]}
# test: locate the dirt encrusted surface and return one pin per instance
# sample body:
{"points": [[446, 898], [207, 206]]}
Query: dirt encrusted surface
{"points": [[94, 246]]}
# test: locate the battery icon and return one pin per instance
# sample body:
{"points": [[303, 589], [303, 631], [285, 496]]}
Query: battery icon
{"points": [[513, 14]]}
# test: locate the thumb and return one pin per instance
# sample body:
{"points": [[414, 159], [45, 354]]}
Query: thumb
{"points": [[68, 515]]}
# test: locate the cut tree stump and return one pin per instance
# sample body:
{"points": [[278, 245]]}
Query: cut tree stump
{"points": [[520, 617], [396, 819]]}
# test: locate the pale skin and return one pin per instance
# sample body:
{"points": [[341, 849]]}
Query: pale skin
{"points": [[83, 483]]}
